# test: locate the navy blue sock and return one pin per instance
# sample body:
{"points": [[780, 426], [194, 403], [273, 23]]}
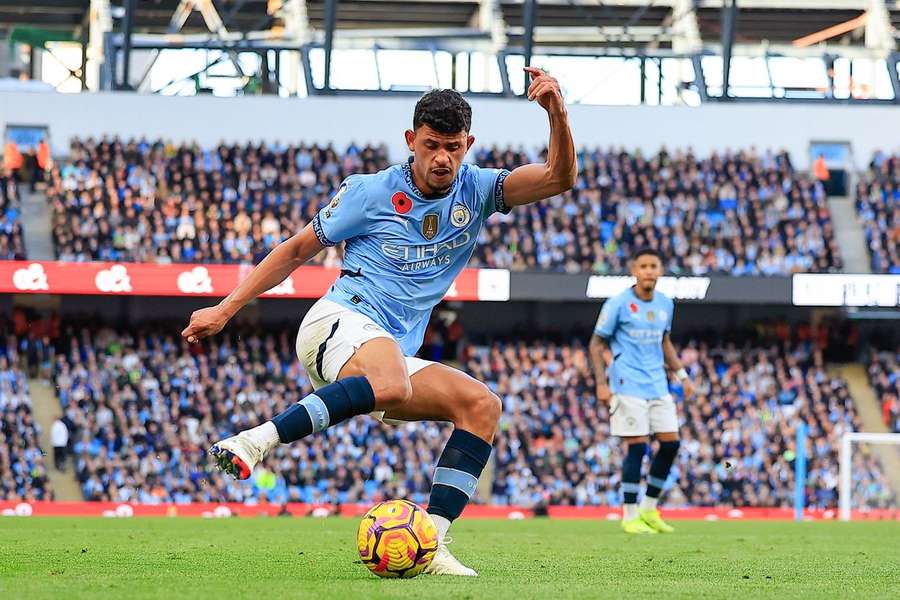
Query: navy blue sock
{"points": [[327, 406], [457, 473], [660, 467], [631, 472]]}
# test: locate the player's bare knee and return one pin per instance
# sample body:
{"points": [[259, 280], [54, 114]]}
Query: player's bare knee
{"points": [[491, 407], [479, 411], [391, 392]]}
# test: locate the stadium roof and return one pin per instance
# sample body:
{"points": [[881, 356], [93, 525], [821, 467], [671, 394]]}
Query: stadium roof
{"points": [[558, 22]]}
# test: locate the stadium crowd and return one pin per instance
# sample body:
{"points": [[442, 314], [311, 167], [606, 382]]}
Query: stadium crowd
{"points": [[142, 408], [23, 472], [739, 213], [878, 206], [12, 243], [158, 202], [555, 446], [884, 376]]}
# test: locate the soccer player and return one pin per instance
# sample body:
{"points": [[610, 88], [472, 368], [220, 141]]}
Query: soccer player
{"points": [[634, 328], [409, 230]]}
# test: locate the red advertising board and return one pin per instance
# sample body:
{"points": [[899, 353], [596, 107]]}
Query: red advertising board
{"points": [[147, 279], [475, 511]]}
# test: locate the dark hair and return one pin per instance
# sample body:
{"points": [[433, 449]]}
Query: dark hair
{"points": [[647, 251], [445, 111]]}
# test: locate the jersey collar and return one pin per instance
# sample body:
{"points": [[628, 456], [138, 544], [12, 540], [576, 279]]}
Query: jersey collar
{"points": [[407, 173], [639, 299]]}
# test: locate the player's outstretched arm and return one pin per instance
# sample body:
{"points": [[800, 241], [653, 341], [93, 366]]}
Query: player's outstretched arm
{"points": [[274, 268], [530, 183]]}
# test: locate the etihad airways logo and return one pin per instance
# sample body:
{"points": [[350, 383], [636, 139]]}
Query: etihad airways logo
{"points": [[426, 255], [425, 251]]}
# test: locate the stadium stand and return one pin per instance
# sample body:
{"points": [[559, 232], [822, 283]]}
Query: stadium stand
{"points": [[555, 447], [23, 472], [878, 206], [143, 409], [12, 244], [739, 213], [154, 201], [884, 375]]}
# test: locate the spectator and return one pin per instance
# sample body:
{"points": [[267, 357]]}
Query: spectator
{"points": [[884, 376], [878, 207], [41, 163], [12, 159], [59, 437], [12, 245]]}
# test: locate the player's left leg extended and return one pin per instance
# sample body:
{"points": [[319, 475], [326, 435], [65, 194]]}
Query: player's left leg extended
{"points": [[441, 393], [664, 424]]}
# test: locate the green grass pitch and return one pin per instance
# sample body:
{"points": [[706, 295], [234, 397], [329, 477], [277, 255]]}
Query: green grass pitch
{"points": [[257, 558]]}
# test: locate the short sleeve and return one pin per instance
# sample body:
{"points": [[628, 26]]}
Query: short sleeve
{"points": [[671, 316], [344, 216], [490, 190], [608, 319]]}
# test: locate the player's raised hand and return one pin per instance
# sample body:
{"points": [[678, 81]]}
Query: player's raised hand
{"points": [[204, 323], [688, 386], [545, 90]]}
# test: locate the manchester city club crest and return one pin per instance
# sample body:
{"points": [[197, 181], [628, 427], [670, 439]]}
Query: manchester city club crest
{"points": [[337, 197], [430, 226], [460, 216]]}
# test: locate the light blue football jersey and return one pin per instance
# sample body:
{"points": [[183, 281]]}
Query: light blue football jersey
{"points": [[634, 329], [403, 251]]}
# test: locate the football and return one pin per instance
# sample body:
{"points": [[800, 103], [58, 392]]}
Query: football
{"points": [[397, 538]]}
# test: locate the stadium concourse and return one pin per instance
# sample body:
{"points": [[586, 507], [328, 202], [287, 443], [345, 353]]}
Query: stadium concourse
{"points": [[736, 213], [142, 407]]}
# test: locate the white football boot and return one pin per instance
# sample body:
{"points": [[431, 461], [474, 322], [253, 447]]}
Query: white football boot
{"points": [[238, 454], [445, 563]]}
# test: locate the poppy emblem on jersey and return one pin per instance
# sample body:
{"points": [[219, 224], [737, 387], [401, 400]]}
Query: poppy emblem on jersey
{"points": [[430, 226], [633, 307], [460, 216], [402, 203]]}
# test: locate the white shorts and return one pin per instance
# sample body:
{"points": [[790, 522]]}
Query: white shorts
{"points": [[328, 337], [632, 416]]}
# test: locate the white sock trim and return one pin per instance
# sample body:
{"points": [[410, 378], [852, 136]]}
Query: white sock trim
{"points": [[442, 524], [649, 503], [629, 511], [266, 435]]}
